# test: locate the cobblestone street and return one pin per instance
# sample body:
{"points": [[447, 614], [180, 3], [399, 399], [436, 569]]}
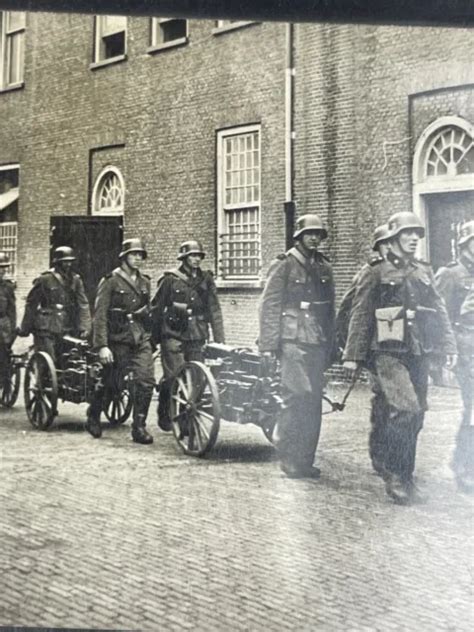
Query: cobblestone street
{"points": [[110, 534]]}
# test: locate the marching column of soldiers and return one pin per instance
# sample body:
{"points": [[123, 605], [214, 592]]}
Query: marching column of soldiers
{"points": [[395, 321]]}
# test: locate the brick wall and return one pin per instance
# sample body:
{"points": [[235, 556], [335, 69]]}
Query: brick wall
{"points": [[362, 97]]}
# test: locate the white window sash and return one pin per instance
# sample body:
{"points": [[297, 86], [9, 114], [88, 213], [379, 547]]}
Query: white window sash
{"points": [[156, 22], [226, 210], [100, 34]]}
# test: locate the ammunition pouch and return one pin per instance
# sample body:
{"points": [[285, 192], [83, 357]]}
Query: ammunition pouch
{"points": [[391, 326], [119, 320], [176, 317]]}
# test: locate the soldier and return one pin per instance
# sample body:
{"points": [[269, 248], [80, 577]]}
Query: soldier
{"points": [[380, 247], [7, 316], [184, 306], [455, 283], [398, 320], [56, 305], [297, 326], [121, 334]]}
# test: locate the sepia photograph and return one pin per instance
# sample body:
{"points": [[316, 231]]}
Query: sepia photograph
{"points": [[236, 316]]}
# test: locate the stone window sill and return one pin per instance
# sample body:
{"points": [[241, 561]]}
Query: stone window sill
{"points": [[107, 62], [12, 87], [219, 30], [157, 48]]}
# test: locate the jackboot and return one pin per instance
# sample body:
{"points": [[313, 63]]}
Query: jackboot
{"points": [[93, 426], [139, 431], [164, 421]]}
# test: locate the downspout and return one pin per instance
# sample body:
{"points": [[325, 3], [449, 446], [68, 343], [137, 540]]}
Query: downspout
{"points": [[289, 206]]}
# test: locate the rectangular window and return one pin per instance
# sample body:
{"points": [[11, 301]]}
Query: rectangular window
{"points": [[9, 193], [12, 48], [239, 198], [110, 37], [168, 32]]}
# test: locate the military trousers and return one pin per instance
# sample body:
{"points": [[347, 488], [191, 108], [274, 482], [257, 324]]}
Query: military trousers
{"points": [[4, 360], [299, 422], [49, 343], [463, 457], [136, 361], [400, 386], [174, 353]]}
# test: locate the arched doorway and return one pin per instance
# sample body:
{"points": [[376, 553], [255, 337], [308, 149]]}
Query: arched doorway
{"points": [[443, 184]]}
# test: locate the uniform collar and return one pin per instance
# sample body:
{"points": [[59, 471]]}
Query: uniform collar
{"points": [[467, 262]]}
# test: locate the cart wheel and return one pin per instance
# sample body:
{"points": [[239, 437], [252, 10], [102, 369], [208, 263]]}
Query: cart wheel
{"points": [[194, 408], [10, 386], [41, 390], [117, 406]]}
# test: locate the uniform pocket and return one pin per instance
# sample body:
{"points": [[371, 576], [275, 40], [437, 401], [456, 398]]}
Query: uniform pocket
{"points": [[289, 325]]}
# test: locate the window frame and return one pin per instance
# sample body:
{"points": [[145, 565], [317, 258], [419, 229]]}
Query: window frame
{"points": [[98, 36], [179, 41], [236, 280], [13, 268], [6, 36], [97, 189]]}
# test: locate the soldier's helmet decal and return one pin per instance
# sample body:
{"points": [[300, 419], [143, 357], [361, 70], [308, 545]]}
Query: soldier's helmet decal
{"points": [[405, 220], [191, 247], [135, 244], [308, 222], [63, 253]]}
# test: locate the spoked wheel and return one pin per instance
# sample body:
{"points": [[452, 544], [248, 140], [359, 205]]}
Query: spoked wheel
{"points": [[117, 406], [41, 390], [194, 408], [10, 385]]}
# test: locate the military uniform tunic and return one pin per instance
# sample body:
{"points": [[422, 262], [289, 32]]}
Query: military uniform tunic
{"points": [[297, 323], [56, 305], [7, 322], [399, 361], [122, 323], [455, 283], [184, 308]]}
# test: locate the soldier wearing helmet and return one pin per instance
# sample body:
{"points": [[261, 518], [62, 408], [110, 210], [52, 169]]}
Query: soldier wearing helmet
{"points": [[380, 247], [297, 326], [122, 337], [455, 283], [398, 321], [185, 307], [7, 315], [56, 305]]}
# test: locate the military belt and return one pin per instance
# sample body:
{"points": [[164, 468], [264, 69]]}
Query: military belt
{"points": [[308, 305]]}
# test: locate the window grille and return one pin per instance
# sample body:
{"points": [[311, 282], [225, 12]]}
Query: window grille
{"points": [[239, 204], [8, 244]]}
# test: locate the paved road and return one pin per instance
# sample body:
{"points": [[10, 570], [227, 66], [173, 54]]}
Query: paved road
{"points": [[109, 534]]}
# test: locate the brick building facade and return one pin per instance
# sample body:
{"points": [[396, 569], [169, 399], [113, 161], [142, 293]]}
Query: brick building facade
{"points": [[176, 129]]}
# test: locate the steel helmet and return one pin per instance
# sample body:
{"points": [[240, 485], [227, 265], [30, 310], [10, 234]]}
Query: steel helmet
{"points": [[4, 260], [405, 220], [309, 222], [466, 232], [381, 234], [135, 244], [63, 253], [191, 247]]}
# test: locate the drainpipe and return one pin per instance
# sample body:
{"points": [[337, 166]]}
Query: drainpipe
{"points": [[289, 206]]}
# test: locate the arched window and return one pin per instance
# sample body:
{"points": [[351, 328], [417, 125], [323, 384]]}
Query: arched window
{"points": [[443, 184], [108, 197]]}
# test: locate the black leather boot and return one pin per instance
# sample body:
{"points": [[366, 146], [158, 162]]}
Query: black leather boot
{"points": [[93, 426], [139, 431]]}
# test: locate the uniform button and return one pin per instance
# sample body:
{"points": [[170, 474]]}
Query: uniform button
{"points": [[307, 315]]}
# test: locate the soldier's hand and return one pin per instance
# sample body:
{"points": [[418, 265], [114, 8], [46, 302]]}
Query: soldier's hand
{"points": [[350, 368], [19, 332], [268, 362], [106, 356], [83, 335], [451, 361]]}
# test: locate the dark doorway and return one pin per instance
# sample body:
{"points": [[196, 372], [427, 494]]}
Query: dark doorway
{"points": [[445, 213], [96, 241]]}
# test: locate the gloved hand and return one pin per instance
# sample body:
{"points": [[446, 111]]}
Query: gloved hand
{"points": [[105, 355]]}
